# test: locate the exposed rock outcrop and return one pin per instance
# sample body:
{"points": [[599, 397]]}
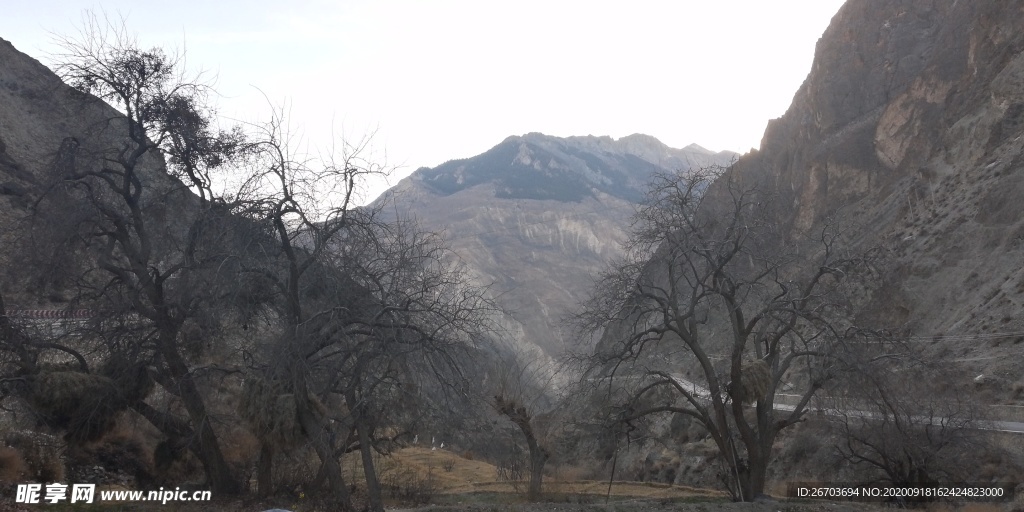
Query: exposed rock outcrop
{"points": [[910, 126], [47, 129]]}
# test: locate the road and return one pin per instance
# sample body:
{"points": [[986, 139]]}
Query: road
{"points": [[1007, 426]]}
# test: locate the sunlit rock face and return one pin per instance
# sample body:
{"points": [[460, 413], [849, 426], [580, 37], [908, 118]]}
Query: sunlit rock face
{"points": [[537, 217], [910, 127]]}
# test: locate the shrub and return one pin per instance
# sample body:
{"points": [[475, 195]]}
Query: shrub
{"points": [[271, 413], [12, 466], [40, 452], [407, 484], [120, 453], [85, 404]]}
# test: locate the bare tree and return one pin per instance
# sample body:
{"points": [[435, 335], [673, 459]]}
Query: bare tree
{"points": [[411, 349], [713, 310], [154, 240], [164, 110], [299, 207], [368, 313], [521, 387], [903, 419]]}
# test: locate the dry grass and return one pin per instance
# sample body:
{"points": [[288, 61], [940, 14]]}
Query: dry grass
{"points": [[473, 476], [12, 466], [41, 453], [464, 474]]}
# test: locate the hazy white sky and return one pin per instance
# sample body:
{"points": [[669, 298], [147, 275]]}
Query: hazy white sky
{"points": [[445, 79]]}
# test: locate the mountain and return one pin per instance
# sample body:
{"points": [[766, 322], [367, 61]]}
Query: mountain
{"points": [[537, 217], [536, 166], [910, 126], [46, 126]]}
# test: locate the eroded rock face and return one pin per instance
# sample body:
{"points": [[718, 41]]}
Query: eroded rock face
{"points": [[39, 117], [911, 127], [536, 218], [47, 131]]}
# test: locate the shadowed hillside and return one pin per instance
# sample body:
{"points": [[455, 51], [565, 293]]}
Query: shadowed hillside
{"points": [[537, 217]]}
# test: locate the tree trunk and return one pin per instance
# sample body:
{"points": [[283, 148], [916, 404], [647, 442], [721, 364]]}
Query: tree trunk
{"points": [[8, 334], [265, 470], [752, 480], [750, 474], [217, 470], [331, 467], [315, 432], [372, 483], [6, 330], [538, 456]]}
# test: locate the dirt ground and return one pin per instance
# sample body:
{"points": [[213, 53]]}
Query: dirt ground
{"points": [[453, 483], [505, 502]]}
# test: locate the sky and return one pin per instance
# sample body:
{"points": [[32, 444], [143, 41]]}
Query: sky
{"points": [[434, 80]]}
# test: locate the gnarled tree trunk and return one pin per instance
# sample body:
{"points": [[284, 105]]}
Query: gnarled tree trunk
{"points": [[538, 455]]}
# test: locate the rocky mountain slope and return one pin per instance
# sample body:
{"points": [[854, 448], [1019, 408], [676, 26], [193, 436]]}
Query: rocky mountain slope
{"points": [[910, 127], [537, 217], [45, 126]]}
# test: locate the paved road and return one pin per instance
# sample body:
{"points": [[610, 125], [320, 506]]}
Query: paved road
{"points": [[1012, 427]]}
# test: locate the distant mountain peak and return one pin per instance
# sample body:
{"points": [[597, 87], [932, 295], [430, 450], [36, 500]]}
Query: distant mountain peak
{"points": [[697, 148], [641, 138], [539, 166]]}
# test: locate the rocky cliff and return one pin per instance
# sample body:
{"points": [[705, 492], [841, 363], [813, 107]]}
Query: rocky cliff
{"points": [[910, 128], [537, 217], [46, 129]]}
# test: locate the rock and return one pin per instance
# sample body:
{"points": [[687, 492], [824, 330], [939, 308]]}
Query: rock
{"points": [[537, 217], [910, 127]]}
